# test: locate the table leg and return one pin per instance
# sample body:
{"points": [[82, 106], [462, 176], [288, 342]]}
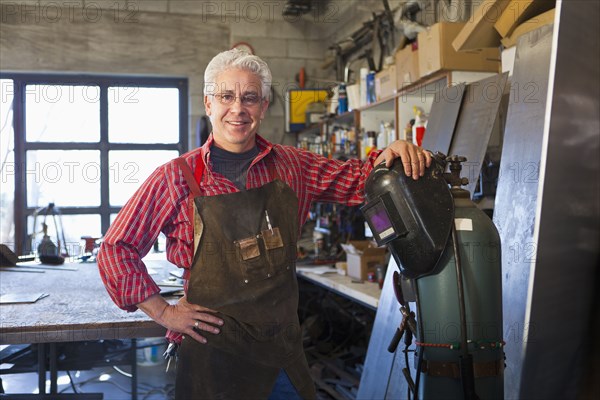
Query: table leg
{"points": [[41, 348], [134, 369], [53, 370]]}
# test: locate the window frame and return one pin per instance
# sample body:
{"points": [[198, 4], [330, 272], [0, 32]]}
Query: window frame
{"points": [[21, 146]]}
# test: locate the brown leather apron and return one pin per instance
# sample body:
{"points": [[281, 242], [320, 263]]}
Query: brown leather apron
{"points": [[245, 270]]}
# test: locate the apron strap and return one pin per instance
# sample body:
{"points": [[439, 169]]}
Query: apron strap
{"points": [[272, 170], [189, 176], [199, 169]]}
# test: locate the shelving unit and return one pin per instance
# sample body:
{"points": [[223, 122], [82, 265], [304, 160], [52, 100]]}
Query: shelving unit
{"points": [[397, 109], [323, 130]]}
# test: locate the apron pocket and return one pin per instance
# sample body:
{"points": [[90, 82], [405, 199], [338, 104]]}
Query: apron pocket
{"points": [[248, 248], [276, 251], [272, 238], [252, 261], [256, 269]]}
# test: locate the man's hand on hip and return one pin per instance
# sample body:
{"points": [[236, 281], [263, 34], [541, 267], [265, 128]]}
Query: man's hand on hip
{"points": [[183, 317]]}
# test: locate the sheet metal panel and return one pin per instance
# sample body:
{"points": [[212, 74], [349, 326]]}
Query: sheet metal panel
{"points": [[568, 231], [442, 118], [378, 372], [516, 195], [478, 115]]}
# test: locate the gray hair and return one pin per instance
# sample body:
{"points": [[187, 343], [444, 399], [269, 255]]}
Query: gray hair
{"points": [[236, 58]]}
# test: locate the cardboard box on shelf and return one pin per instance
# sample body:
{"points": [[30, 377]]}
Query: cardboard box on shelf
{"points": [[534, 23], [436, 52], [385, 83], [478, 32], [407, 66], [353, 93], [361, 258], [519, 11]]}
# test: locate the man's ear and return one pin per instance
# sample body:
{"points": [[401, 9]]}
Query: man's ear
{"points": [[207, 104]]}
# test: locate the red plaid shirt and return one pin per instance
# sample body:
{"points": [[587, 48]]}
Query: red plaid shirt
{"points": [[162, 204]]}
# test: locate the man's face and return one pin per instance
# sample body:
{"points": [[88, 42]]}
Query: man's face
{"points": [[235, 107]]}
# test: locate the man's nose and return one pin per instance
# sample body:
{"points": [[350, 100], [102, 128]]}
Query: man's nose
{"points": [[237, 104]]}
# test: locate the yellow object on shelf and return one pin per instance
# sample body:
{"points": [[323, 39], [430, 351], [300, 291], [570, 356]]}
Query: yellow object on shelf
{"points": [[298, 101]]}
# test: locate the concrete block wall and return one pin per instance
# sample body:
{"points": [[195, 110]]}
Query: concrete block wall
{"points": [[179, 37], [164, 38]]}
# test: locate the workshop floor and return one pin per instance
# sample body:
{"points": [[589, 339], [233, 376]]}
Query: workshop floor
{"points": [[153, 382]]}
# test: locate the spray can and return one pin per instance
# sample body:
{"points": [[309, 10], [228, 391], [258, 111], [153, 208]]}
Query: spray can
{"points": [[342, 99]]}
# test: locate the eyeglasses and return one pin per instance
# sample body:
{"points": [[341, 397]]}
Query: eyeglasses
{"points": [[247, 100]]}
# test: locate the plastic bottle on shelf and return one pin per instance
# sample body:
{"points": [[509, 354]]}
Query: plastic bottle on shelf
{"points": [[318, 148], [342, 137], [382, 136], [350, 144], [370, 143], [371, 96], [333, 141], [408, 131], [418, 128], [391, 133], [342, 99], [363, 87]]}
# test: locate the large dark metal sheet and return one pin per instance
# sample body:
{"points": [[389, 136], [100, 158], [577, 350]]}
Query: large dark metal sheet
{"points": [[516, 195], [559, 351], [476, 121], [442, 118], [378, 371]]}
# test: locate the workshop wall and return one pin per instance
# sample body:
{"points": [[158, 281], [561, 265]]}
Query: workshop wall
{"points": [[161, 38], [352, 14], [178, 38]]}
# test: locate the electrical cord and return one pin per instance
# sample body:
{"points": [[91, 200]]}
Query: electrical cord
{"points": [[71, 381], [405, 351], [166, 391], [420, 336], [119, 370], [461, 294], [96, 379]]}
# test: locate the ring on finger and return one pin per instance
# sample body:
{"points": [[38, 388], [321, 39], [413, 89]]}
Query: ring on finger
{"points": [[196, 324]]}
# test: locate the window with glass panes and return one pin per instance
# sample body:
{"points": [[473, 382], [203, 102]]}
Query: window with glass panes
{"points": [[84, 144]]}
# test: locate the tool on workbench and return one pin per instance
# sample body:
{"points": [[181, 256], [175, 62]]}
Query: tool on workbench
{"points": [[47, 251]]}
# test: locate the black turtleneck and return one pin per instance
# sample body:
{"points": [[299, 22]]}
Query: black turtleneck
{"points": [[234, 166]]}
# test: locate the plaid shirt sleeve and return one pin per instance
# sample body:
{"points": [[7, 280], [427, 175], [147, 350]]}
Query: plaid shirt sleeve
{"points": [[153, 207], [334, 181], [316, 178]]}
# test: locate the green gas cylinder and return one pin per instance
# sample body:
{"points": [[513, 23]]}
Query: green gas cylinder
{"points": [[439, 314]]}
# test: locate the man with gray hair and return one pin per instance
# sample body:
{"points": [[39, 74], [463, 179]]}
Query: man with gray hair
{"points": [[232, 212]]}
